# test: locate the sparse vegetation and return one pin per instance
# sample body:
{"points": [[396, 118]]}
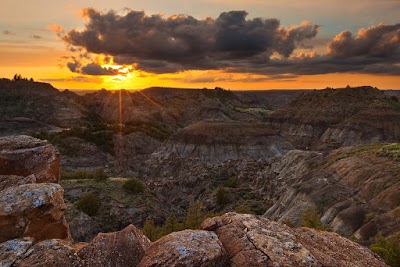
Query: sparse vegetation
{"points": [[312, 219], [98, 175], [195, 215], [388, 249], [391, 151], [89, 204], [254, 111], [243, 209], [134, 186], [232, 182], [222, 196]]}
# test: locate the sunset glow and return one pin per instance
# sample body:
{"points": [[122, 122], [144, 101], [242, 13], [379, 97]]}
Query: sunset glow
{"points": [[76, 47]]}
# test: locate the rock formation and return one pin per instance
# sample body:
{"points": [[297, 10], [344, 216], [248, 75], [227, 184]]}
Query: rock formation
{"points": [[123, 248], [332, 117], [24, 155], [355, 189], [29, 209], [186, 248], [34, 210], [254, 241]]}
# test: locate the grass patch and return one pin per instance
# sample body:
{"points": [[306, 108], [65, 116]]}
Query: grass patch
{"points": [[254, 111], [391, 151], [98, 175]]}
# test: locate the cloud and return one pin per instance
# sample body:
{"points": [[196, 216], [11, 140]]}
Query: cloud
{"points": [[55, 28], [380, 41], [91, 68], [231, 42], [37, 36], [158, 44], [7, 32]]}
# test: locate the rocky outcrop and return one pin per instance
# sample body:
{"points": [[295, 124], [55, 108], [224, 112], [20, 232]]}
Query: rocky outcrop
{"points": [[24, 155], [50, 253], [13, 180], [13, 250], [355, 189], [186, 248], [327, 118], [219, 141], [24, 253], [34, 210], [123, 248], [254, 241]]}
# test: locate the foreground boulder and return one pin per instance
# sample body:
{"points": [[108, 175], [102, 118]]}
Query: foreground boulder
{"points": [[255, 241], [13, 180], [34, 210], [123, 248], [186, 248], [13, 250], [24, 155], [50, 253]]}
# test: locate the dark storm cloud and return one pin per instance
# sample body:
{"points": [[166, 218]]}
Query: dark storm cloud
{"points": [[231, 42], [90, 69], [177, 43]]}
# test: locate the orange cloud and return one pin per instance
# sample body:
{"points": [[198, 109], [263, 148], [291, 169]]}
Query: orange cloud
{"points": [[55, 28]]}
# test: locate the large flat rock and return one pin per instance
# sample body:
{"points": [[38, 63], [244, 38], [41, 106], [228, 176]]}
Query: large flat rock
{"points": [[24, 155]]}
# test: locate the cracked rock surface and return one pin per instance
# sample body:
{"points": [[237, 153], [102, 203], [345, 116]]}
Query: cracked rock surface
{"points": [[256, 241]]}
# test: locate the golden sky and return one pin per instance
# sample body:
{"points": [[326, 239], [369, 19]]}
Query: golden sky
{"points": [[309, 44]]}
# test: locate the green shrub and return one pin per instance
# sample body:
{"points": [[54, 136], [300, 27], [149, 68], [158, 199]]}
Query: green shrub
{"points": [[100, 175], [151, 231], [388, 249], [134, 186], [171, 224], [195, 215], [243, 209], [232, 182], [312, 219], [222, 196], [89, 204]]}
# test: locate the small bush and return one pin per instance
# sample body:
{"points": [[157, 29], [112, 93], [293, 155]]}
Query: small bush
{"points": [[243, 209], [232, 182], [388, 249], [222, 196], [100, 175], [312, 219], [89, 204], [134, 186]]}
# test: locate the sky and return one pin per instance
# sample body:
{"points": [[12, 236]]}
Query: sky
{"points": [[234, 44]]}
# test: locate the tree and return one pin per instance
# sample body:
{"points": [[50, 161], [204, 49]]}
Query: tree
{"points": [[171, 224], [388, 249], [151, 231], [195, 216]]}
